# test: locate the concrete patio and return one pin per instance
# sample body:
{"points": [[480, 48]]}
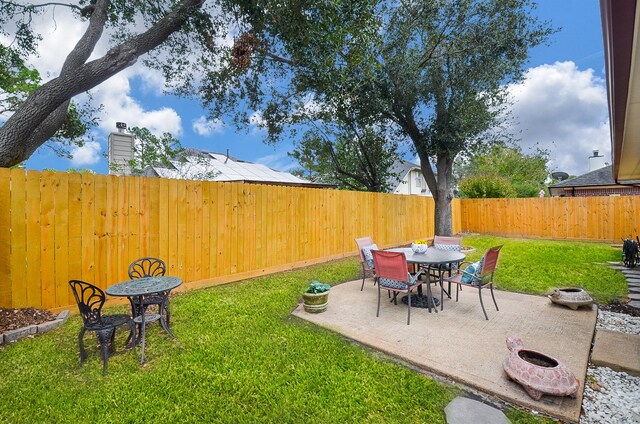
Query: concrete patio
{"points": [[458, 343]]}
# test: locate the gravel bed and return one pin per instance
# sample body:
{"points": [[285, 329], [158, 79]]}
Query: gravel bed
{"points": [[621, 323], [611, 396]]}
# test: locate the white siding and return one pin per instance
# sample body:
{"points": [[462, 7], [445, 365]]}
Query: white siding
{"points": [[413, 183]]}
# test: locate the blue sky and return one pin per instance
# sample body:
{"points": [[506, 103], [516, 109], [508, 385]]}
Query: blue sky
{"points": [[560, 106]]}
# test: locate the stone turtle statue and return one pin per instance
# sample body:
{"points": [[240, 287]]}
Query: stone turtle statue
{"points": [[538, 373], [571, 297]]}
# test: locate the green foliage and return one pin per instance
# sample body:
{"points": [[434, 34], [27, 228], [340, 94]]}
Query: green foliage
{"points": [[148, 149], [503, 166], [486, 186], [351, 159], [16, 80], [317, 287], [151, 150]]}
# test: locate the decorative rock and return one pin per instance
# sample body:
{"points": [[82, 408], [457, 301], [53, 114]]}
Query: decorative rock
{"points": [[571, 297], [464, 410], [2, 339], [64, 315], [13, 335], [634, 296], [538, 373], [49, 325]]}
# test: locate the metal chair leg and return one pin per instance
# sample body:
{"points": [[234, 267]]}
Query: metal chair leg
{"points": [[493, 297], [364, 274], [408, 306], [378, 311], [482, 304]]}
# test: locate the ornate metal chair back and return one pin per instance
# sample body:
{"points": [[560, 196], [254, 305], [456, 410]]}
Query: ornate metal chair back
{"points": [[90, 300], [147, 267]]}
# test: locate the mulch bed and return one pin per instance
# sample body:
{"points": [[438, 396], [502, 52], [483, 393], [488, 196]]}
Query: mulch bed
{"points": [[621, 308], [12, 319]]}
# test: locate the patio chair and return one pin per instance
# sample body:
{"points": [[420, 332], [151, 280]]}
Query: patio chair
{"points": [[150, 267], [480, 277], [445, 243], [392, 275], [365, 247], [90, 300]]}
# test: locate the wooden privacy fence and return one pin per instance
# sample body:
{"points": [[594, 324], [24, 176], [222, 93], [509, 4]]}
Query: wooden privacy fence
{"points": [[57, 226], [568, 218]]}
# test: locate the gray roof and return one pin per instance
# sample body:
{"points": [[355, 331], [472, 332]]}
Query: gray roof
{"points": [[599, 177], [198, 164]]}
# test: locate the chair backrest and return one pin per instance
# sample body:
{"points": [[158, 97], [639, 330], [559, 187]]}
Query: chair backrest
{"points": [[490, 260], [390, 265], [147, 267], [454, 242], [90, 300], [363, 242]]}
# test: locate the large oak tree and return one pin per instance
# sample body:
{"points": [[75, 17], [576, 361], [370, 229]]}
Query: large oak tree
{"points": [[435, 69]]}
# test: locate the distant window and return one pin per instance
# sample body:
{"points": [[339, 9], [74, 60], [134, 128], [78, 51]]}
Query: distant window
{"points": [[418, 180]]}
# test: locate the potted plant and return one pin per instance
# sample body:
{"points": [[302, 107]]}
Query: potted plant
{"points": [[316, 297], [420, 246]]}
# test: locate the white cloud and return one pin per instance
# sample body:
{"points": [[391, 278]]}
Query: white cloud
{"points": [[256, 121], [119, 106], [563, 109], [205, 127], [87, 154], [278, 161]]}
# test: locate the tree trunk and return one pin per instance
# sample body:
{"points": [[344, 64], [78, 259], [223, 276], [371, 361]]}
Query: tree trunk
{"points": [[443, 195], [38, 118]]}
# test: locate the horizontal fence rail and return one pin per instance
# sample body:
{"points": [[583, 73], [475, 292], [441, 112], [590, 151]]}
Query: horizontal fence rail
{"points": [[57, 226], [598, 218]]}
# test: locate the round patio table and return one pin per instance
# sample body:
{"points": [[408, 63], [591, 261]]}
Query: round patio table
{"points": [[432, 258], [136, 289]]}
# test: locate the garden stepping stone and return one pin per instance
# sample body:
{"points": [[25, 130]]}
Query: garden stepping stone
{"points": [[464, 410]]}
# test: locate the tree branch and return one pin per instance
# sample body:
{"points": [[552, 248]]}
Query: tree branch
{"points": [[52, 95]]}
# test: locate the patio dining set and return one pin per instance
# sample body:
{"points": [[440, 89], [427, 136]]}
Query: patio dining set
{"points": [[403, 270], [147, 287]]}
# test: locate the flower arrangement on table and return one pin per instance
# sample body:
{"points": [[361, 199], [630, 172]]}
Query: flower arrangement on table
{"points": [[420, 245]]}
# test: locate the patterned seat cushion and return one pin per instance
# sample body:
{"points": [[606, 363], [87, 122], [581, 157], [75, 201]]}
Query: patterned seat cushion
{"points": [[368, 256], [393, 284], [452, 247]]}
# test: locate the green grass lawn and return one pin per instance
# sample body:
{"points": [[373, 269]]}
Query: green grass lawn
{"points": [[538, 266], [240, 357]]}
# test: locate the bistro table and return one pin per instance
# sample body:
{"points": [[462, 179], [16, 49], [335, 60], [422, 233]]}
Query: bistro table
{"points": [[135, 290], [432, 258]]}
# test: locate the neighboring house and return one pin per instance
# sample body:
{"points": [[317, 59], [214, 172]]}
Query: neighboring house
{"points": [[194, 164], [595, 183], [409, 181]]}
